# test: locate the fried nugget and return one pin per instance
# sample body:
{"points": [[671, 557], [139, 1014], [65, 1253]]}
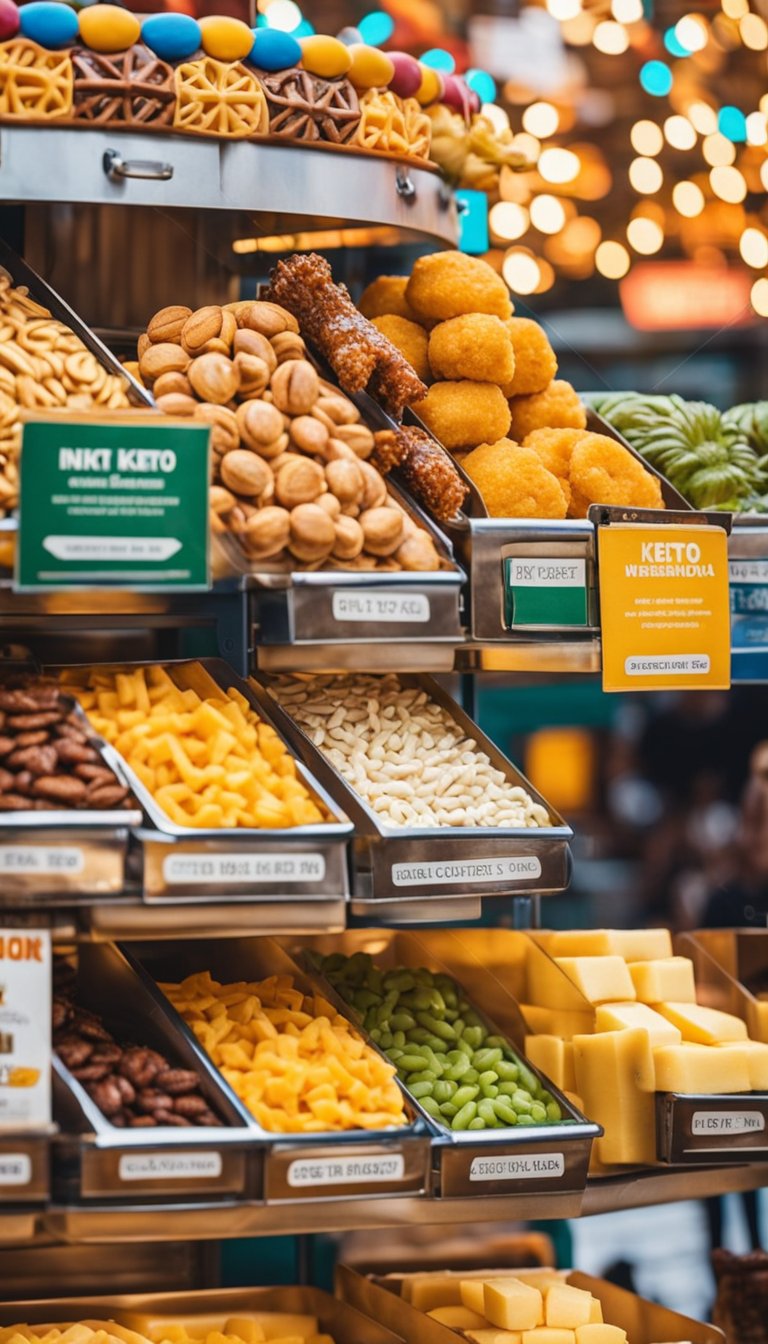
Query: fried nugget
{"points": [[604, 472], [557, 407], [514, 482], [409, 338], [535, 360], [554, 447], [385, 297], [475, 346], [450, 284], [464, 414]]}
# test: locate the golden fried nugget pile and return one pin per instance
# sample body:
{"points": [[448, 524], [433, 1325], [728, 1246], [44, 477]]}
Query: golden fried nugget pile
{"points": [[475, 346], [385, 297], [297, 1064], [557, 406], [514, 482], [450, 284], [207, 763], [409, 338], [466, 413]]}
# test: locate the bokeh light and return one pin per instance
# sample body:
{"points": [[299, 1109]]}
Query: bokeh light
{"points": [[728, 184], [483, 84], [645, 175], [497, 116], [754, 32], [508, 220], [439, 59], [732, 123], [702, 117], [521, 272], [688, 199], [757, 129], [656, 78], [611, 38], [547, 214], [627, 11], [558, 165], [376, 27], [759, 297], [718, 151], [284, 15], [645, 235], [646, 138], [612, 260], [680, 132], [753, 246], [564, 9], [541, 119], [674, 47], [735, 9], [691, 32]]}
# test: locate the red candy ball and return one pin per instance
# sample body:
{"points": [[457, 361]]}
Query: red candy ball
{"points": [[407, 76], [9, 19], [458, 95]]}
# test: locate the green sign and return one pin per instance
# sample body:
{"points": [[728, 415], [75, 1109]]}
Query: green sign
{"points": [[545, 591], [113, 503]]}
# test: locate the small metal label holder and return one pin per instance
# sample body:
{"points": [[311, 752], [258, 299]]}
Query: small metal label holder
{"points": [[711, 1130]]}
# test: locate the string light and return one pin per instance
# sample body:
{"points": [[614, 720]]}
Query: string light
{"points": [[521, 272], [645, 175], [764, 174], [547, 214], [691, 32], [508, 220], [757, 129], [646, 138], [541, 119], [581, 235], [732, 123], [376, 27], [728, 184], [612, 260], [656, 78], [645, 235], [627, 11], [688, 199], [759, 297], [611, 38], [754, 32], [674, 47], [753, 246], [735, 9], [439, 59], [718, 152], [558, 165], [703, 118], [679, 132], [564, 9], [284, 15]]}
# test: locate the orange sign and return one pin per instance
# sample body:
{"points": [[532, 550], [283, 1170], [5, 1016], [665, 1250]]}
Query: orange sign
{"points": [[681, 295], [664, 607]]}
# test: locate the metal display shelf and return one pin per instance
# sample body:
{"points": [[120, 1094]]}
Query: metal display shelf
{"points": [[748, 562], [108, 167], [213, 1222]]}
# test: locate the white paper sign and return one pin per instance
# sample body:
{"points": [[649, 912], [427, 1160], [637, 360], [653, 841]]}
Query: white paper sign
{"points": [[401, 608], [525, 572], [727, 1122], [192, 869], [25, 1028], [305, 1172], [41, 860], [524, 1167], [159, 1166], [469, 872], [748, 571], [15, 1169]]}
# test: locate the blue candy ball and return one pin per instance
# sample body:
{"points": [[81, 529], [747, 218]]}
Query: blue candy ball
{"points": [[49, 23], [172, 37], [274, 50]]}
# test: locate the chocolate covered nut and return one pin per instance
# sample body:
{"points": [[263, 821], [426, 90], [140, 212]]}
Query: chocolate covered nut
{"points": [[91, 1073], [66, 789], [21, 723], [142, 1122], [171, 1118], [151, 1100], [176, 1082], [32, 739], [126, 1090], [6, 744], [13, 802], [105, 797], [74, 1052], [107, 1096], [76, 753], [95, 774], [189, 1106], [140, 1066], [38, 760]]}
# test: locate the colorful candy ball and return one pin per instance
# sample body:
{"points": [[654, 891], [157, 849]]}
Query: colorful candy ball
{"points": [[431, 87], [407, 76], [50, 23], [108, 28], [9, 19], [274, 50], [172, 37], [226, 39], [458, 95], [325, 56], [370, 68]]}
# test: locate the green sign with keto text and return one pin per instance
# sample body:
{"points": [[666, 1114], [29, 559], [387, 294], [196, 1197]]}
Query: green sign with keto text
{"points": [[118, 502]]}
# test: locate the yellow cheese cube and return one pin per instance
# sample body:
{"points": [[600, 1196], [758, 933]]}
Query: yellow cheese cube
{"points": [[615, 1077], [601, 1334], [667, 981], [548, 984], [547, 1334], [494, 1336], [596, 1312], [567, 1307], [700, 1068], [600, 979], [620, 1016], [554, 1057], [513, 1305], [473, 1293], [428, 1291], [557, 1021], [757, 1063], [631, 944], [458, 1318], [757, 1019], [704, 1026]]}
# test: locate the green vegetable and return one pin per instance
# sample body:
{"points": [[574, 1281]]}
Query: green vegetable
{"points": [[750, 420]]}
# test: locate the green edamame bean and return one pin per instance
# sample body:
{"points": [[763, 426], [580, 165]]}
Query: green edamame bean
{"points": [[387, 1040], [442, 1029], [364, 998], [444, 1090], [398, 1042], [554, 1112], [538, 1113], [527, 1080], [486, 1112], [473, 1037], [431, 1107], [522, 1101], [508, 1089], [477, 1123], [504, 1111], [507, 1070], [395, 1053], [497, 1042], [402, 1021], [375, 1035], [470, 1076], [434, 1042], [418, 1035], [411, 1062], [423, 1076], [462, 1118], [487, 1058], [489, 1089], [420, 1090], [523, 1118], [488, 1076], [464, 1095], [448, 1111], [463, 1048], [458, 1070]]}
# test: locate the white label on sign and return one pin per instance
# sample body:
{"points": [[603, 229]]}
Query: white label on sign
{"points": [[727, 1122], [25, 1034], [525, 1167], [41, 860], [168, 1166], [524, 572], [112, 548], [15, 1169], [748, 571], [345, 1170], [405, 608], [468, 872], [668, 665], [188, 869]]}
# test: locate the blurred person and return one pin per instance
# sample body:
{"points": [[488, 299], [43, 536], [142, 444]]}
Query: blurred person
{"points": [[742, 901]]}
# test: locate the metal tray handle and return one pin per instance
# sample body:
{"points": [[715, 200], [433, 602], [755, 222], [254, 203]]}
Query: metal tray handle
{"points": [[117, 168]]}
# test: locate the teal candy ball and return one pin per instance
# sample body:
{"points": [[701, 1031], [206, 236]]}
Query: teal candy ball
{"points": [[48, 23], [172, 37], [273, 50]]}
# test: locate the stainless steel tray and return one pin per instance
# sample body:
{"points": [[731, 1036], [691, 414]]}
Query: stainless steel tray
{"points": [[94, 1160], [334, 1165], [398, 865], [550, 1160], [707, 1129], [185, 864], [211, 1309]]}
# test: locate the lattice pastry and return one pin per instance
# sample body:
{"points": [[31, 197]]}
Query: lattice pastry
{"points": [[35, 84], [219, 98], [303, 106], [393, 125], [132, 87]]}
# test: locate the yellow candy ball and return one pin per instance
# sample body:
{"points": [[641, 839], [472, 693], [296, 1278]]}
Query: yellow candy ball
{"points": [[370, 68], [325, 56], [226, 39], [108, 28], [430, 88]]}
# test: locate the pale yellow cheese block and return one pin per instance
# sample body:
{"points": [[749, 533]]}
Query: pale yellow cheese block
{"points": [[615, 1077], [702, 1068], [513, 1305], [757, 1063], [757, 1019], [458, 1318], [473, 1295], [596, 1312], [494, 1336], [427, 1291], [600, 1334], [670, 980], [554, 1057], [557, 1021], [547, 1334], [600, 979], [548, 985], [252, 1326], [703, 1026], [566, 1307], [631, 944], [620, 1016]]}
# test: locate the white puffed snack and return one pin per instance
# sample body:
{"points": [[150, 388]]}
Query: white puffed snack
{"points": [[404, 754]]}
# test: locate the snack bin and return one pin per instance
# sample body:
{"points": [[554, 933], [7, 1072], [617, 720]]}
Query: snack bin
{"points": [[95, 1160], [644, 1322], [540, 1161], [395, 866], [690, 1128], [207, 1310], [349, 1164], [295, 864]]}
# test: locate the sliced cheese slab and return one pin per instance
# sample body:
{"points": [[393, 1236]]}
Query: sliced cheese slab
{"points": [[668, 980], [557, 1021], [701, 1069], [566, 1307], [703, 1026], [458, 1318], [631, 944], [473, 1295], [427, 1291], [596, 1312], [620, 1016], [757, 1063], [545, 1334], [513, 1305], [600, 979], [554, 1057], [494, 1336], [615, 1077], [601, 1334]]}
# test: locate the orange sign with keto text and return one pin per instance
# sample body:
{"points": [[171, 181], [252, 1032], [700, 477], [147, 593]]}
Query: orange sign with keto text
{"points": [[664, 607]]}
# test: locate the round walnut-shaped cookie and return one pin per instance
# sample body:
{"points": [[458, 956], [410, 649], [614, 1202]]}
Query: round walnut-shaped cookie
{"points": [[214, 377], [268, 318], [295, 387], [262, 428], [299, 482], [209, 329], [312, 533], [246, 473]]}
